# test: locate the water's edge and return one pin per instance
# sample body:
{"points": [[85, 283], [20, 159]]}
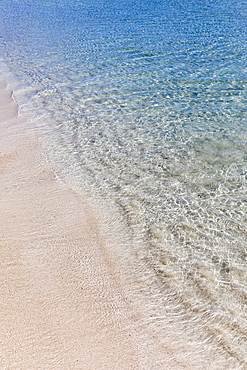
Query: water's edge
{"points": [[142, 109]]}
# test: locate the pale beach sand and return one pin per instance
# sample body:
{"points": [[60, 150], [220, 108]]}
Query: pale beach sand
{"points": [[61, 306]]}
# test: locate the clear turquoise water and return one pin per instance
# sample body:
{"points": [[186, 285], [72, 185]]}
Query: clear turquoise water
{"points": [[143, 103]]}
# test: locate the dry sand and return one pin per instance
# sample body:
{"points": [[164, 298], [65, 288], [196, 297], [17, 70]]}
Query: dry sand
{"points": [[61, 305]]}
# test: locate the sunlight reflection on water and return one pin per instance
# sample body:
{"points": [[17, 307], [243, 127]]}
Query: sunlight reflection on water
{"points": [[145, 104]]}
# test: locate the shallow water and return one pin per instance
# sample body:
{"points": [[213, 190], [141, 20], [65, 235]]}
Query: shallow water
{"points": [[143, 104]]}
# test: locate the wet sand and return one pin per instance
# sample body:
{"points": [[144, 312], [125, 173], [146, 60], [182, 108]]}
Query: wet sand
{"points": [[62, 305]]}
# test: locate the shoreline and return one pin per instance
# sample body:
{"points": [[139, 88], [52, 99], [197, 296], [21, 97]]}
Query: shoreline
{"points": [[60, 308], [63, 306]]}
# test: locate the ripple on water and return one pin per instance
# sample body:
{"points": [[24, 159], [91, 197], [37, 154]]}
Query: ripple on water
{"points": [[144, 105]]}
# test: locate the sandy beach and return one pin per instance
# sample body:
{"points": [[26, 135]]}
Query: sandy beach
{"points": [[61, 305], [123, 185]]}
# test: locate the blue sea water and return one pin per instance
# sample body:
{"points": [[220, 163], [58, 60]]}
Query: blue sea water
{"points": [[143, 104]]}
